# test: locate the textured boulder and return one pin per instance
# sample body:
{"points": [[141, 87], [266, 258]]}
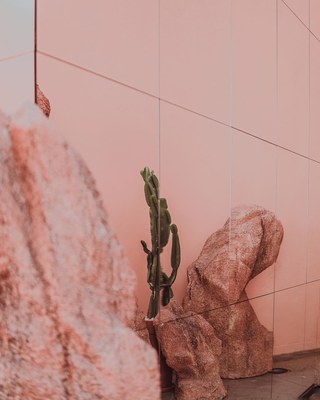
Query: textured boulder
{"points": [[192, 350], [247, 244], [66, 291]]}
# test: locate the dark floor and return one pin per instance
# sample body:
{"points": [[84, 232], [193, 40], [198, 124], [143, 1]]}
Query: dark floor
{"points": [[304, 370]]}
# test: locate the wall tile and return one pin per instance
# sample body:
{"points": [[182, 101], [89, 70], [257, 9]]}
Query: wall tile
{"points": [[16, 82], [312, 316], [293, 75], [115, 38], [314, 149], [300, 8], [253, 172], [254, 67], [194, 179], [314, 17], [16, 27], [115, 130], [195, 55], [292, 211], [313, 271], [289, 326]]}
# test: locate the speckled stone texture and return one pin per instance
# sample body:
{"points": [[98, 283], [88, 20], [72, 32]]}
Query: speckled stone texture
{"points": [[192, 350], [247, 244], [42, 101], [66, 290]]}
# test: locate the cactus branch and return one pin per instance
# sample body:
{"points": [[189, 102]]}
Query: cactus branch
{"points": [[160, 230]]}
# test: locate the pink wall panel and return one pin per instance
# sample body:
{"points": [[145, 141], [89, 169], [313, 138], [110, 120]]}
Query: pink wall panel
{"points": [[314, 143], [243, 63], [312, 320], [16, 54], [293, 81], [313, 265], [254, 67], [289, 328], [116, 38], [300, 8], [314, 17], [115, 129], [194, 163], [16, 27], [195, 55], [16, 82], [292, 210]]}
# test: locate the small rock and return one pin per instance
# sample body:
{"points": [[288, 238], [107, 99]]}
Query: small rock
{"points": [[192, 350]]}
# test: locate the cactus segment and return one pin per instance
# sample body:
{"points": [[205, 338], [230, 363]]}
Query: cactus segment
{"points": [[160, 229], [175, 249], [167, 295]]}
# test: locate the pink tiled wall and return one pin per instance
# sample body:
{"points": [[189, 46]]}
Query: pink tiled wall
{"points": [[16, 53], [221, 98]]}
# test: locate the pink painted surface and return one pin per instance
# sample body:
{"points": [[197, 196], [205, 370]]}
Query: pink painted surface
{"points": [[289, 328], [313, 261], [293, 75], [292, 210], [16, 27], [16, 82], [117, 135], [314, 146], [218, 61], [254, 67], [314, 17], [253, 172], [195, 55], [194, 179], [300, 8], [115, 38], [16, 54], [312, 320]]}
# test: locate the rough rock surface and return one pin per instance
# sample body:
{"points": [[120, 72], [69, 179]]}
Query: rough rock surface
{"points": [[43, 102], [66, 291], [192, 350], [247, 244]]}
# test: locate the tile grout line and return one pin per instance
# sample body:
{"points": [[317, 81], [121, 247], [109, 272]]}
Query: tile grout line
{"points": [[308, 187], [243, 301], [308, 28], [276, 170], [25, 53], [35, 48], [173, 104]]}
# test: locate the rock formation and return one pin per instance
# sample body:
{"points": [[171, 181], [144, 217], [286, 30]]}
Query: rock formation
{"points": [[247, 244], [42, 101], [66, 290], [192, 350]]}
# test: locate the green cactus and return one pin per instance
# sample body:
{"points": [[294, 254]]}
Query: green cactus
{"points": [[160, 229]]}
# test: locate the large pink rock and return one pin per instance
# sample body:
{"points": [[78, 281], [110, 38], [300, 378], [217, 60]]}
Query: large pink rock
{"points": [[66, 290], [192, 350], [248, 243]]}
